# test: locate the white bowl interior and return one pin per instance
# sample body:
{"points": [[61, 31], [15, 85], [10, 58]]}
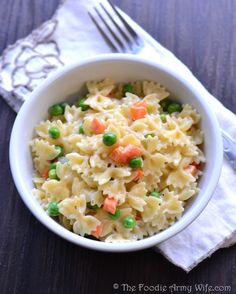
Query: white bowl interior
{"points": [[69, 82]]}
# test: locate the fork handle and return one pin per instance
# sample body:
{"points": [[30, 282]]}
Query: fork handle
{"points": [[229, 148]]}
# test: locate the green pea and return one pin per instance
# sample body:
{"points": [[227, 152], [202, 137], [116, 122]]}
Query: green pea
{"points": [[54, 132], [155, 194], [147, 135], [56, 110], [81, 129], [89, 205], [60, 149], [109, 139], [129, 222], [136, 162], [52, 165], [163, 117], [52, 174], [83, 105], [115, 215], [174, 107], [128, 88], [165, 103], [53, 209]]}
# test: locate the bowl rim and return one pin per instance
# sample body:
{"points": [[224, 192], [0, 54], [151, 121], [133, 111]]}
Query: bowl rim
{"points": [[58, 229]]}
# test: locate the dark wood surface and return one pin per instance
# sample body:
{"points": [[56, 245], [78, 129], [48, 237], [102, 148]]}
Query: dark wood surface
{"points": [[34, 260]]}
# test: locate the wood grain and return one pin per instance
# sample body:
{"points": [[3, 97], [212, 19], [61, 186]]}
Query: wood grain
{"points": [[34, 260]]}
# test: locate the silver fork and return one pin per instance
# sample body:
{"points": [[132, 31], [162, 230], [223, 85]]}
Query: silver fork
{"points": [[122, 38], [115, 29]]}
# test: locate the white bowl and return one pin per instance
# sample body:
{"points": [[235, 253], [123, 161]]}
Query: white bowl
{"points": [[121, 68]]}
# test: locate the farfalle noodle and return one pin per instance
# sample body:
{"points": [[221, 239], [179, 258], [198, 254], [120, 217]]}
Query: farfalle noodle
{"points": [[86, 174]]}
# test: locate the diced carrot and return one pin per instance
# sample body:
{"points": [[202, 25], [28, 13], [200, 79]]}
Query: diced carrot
{"points": [[110, 204], [192, 169], [97, 232], [97, 126], [141, 104], [118, 155], [138, 110], [123, 154], [138, 173], [45, 174], [132, 151]]}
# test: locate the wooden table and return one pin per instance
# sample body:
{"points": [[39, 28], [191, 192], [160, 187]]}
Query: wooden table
{"points": [[34, 260]]}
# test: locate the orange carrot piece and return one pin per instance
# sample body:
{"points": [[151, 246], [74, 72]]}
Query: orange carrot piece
{"points": [[97, 126], [97, 232], [138, 173], [45, 174], [138, 110], [132, 151], [110, 204], [123, 154], [141, 104], [192, 169], [118, 155]]}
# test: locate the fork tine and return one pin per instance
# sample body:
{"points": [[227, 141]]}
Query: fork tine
{"points": [[110, 30], [128, 27], [117, 26], [105, 36]]}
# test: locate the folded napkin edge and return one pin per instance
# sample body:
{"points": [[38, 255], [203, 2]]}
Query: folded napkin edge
{"points": [[208, 254]]}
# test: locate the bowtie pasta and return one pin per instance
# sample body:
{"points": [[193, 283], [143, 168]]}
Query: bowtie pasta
{"points": [[119, 164]]}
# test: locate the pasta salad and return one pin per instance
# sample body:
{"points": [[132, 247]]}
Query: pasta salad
{"points": [[120, 163]]}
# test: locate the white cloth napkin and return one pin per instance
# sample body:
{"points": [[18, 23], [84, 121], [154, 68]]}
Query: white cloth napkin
{"points": [[69, 36]]}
